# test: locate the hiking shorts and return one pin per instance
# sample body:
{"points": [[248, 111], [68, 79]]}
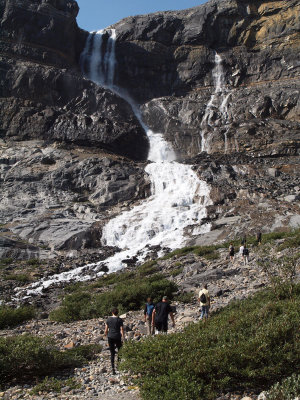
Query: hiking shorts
{"points": [[161, 326]]}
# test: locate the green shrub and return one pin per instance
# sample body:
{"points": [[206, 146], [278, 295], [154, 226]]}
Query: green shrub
{"points": [[112, 279], [10, 317], [270, 237], [22, 278], [208, 252], [178, 252], [250, 344], [74, 287], [291, 242], [176, 271], [148, 268], [185, 297], [54, 385], [128, 295], [76, 306], [6, 261], [34, 262], [212, 256], [85, 352], [24, 358], [288, 389]]}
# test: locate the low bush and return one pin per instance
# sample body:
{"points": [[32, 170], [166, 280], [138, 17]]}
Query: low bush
{"points": [[112, 279], [34, 262], [22, 278], [178, 252], [24, 358], [208, 252], [54, 385], [288, 389], [6, 261], [148, 268], [185, 297], [291, 242], [250, 344], [127, 295], [269, 237], [10, 317], [176, 271]]}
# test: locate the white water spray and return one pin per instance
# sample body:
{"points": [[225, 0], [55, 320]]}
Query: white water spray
{"points": [[216, 112], [178, 198]]}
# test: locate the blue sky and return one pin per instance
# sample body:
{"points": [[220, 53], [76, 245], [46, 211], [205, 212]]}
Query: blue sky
{"points": [[98, 14]]}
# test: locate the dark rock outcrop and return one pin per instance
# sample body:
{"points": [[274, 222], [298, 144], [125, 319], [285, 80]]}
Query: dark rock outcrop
{"points": [[40, 100], [42, 31]]}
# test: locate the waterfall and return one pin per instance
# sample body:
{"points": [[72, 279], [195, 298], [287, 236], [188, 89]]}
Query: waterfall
{"points": [[178, 198], [216, 111]]}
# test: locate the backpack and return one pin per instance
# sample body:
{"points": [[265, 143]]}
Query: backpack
{"points": [[245, 252], [150, 308], [203, 298]]}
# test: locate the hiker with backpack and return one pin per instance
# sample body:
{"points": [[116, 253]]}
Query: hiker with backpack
{"points": [[231, 252], [149, 307], [204, 299], [115, 332], [246, 255]]}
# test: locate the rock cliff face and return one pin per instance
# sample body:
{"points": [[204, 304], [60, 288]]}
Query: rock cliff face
{"points": [[170, 67], [59, 133], [220, 81]]}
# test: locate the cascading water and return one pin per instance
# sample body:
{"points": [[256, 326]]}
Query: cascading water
{"points": [[216, 112], [173, 206], [178, 199]]}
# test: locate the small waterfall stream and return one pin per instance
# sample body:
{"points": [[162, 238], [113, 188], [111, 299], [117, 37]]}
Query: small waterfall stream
{"points": [[216, 111], [178, 198]]}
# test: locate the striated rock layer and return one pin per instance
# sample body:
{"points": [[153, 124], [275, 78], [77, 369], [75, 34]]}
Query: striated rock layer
{"points": [[220, 81], [169, 61]]}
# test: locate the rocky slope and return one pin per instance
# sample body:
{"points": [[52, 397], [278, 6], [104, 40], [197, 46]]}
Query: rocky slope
{"points": [[72, 153], [227, 281]]}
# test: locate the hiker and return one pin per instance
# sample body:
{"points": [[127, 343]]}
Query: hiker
{"points": [[149, 307], [115, 332], [244, 239], [246, 255], [204, 299], [160, 316], [231, 252], [258, 238], [241, 252]]}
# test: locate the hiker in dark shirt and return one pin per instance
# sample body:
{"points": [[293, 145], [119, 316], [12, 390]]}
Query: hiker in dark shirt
{"points": [[160, 315], [148, 310], [115, 332], [258, 238]]}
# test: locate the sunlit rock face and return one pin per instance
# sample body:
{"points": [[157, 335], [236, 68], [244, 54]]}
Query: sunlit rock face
{"points": [[169, 66]]}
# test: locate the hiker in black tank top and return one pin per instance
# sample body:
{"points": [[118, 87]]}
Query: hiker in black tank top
{"points": [[115, 332]]}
